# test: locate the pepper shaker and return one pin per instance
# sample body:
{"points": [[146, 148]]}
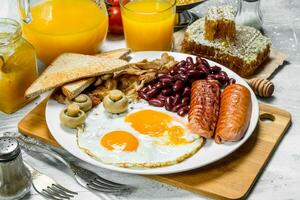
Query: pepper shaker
{"points": [[15, 178], [249, 14]]}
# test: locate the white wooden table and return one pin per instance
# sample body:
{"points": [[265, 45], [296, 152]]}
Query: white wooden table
{"points": [[281, 178]]}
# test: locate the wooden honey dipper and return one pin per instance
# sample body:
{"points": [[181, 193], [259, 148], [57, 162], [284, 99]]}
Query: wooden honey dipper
{"points": [[261, 87]]}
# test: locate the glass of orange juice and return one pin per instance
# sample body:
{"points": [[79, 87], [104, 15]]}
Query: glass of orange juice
{"points": [[54, 27], [148, 24]]}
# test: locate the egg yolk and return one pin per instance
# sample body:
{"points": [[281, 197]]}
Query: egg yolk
{"points": [[156, 124], [114, 139]]}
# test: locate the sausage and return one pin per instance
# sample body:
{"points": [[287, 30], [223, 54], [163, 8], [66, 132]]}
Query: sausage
{"points": [[204, 107], [235, 113]]}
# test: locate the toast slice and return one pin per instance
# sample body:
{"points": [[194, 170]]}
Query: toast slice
{"points": [[244, 54], [69, 67], [73, 89]]}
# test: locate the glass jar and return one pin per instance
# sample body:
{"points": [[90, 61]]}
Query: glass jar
{"points": [[249, 14], [18, 67], [15, 178]]}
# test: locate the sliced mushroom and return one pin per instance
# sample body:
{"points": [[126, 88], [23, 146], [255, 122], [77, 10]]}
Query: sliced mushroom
{"points": [[106, 77], [111, 84], [115, 102], [83, 101], [72, 116]]}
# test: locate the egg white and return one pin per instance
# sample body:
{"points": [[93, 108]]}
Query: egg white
{"points": [[151, 151]]}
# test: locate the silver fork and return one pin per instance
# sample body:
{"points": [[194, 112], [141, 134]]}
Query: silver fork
{"points": [[47, 187], [84, 177]]}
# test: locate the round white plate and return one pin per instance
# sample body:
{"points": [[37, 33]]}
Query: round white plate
{"points": [[209, 153]]}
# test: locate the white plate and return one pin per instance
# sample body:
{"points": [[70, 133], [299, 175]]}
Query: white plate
{"points": [[209, 153]]}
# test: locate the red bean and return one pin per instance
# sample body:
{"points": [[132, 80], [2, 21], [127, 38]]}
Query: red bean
{"points": [[191, 67], [158, 85], [143, 95], [156, 102], [181, 63], [166, 81], [144, 89], [161, 97], [178, 86], [185, 100], [205, 63], [223, 73], [215, 69], [149, 87], [153, 93], [176, 100], [177, 107], [166, 92], [198, 60], [186, 92], [169, 103], [204, 69], [196, 74], [231, 81], [183, 111], [189, 60], [210, 77]]}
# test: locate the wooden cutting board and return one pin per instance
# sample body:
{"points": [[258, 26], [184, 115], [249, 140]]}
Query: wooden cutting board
{"points": [[229, 178]]}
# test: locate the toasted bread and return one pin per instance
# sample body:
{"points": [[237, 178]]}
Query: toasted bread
{"points": [[71, 90], [69, 67]]}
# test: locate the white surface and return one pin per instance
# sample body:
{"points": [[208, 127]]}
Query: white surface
{"points": [[209, 153], [280, 180]]}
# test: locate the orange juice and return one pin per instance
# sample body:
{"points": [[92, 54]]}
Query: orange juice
{"points": [[148, 24], [60, 26]]}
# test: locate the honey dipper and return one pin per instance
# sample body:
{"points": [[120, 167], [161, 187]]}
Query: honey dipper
{"points": [[261, 87]]}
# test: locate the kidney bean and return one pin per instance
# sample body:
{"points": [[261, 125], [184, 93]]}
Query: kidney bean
{"points": [[185, 100], [210, 77], [215, 69], [156, 102], [161, 97], [169, 103], [186, 92], [178, 86], [177, 107], [144, 89], [183, 111], [172, 72], [166, 81], [166, 92], [231, 81], [149, 87], [182, 77], [153, 93], [181, 63], [176, 100], [192, 80], [223, 73], [189, 60], [205, 63], [204, 69], [182, 71], [196, 74], [198, 60], [191, 67], [158, 85], [143, 95]]}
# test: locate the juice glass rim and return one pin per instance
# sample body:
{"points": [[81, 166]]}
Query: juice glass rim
{"points": [[147, 13], [13, 28]]}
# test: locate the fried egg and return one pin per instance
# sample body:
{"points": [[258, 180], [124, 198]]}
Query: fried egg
{"points": [[144, 136]]}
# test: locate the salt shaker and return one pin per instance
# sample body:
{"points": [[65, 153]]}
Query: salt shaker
{"points": [[15, 178], [249, 14]]}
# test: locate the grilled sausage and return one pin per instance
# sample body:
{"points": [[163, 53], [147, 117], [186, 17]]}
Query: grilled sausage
{"points": [[204, 107], [235, 112]]}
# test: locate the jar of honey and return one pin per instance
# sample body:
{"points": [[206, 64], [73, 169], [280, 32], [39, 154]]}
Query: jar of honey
{"points": [[18, 67]]}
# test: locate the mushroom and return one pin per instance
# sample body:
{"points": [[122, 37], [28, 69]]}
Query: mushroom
{"points": [[83, 101], [115, 102], [105, 77], [72, 116]]}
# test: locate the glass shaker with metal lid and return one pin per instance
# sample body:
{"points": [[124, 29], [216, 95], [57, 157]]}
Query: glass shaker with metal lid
{"points": [[15, 178]]}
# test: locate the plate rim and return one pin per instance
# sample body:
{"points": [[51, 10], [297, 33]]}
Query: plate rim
{"points": [[148, 171]]}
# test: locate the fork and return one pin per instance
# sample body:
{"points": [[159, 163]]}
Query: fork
{"points": [[47, 187], [84, 177]]}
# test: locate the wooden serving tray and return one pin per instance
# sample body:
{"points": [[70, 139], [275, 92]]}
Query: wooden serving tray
{"points": [[229, 178]]}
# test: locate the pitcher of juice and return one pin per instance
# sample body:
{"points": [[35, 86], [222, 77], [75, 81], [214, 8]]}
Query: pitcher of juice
{"points": [[54, 27]]}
